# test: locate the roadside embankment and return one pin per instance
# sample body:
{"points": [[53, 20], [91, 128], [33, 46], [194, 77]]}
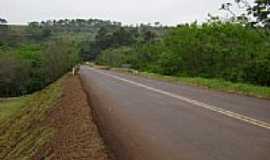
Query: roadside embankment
{"points": [[23, 128], [54, 123], [77, 136]]}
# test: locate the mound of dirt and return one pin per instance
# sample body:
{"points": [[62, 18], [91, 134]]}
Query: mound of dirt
{"points": [[77, 136]]}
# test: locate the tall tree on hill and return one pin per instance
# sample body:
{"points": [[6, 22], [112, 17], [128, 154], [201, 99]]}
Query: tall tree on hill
{"points": [[149, 36], [3, 21], [122, 37], [38, 31], [3, 31]]}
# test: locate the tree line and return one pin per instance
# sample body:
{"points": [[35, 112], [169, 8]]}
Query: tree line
{"points": [[233, 50], [236, 49], [31, 67], [37, 54]]}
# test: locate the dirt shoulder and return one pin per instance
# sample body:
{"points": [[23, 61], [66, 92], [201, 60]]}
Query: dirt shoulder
{"points": [[77, 136]]}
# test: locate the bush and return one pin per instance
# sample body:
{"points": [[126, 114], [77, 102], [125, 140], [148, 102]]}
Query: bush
{"points": [[213, 50], [29, 67]]}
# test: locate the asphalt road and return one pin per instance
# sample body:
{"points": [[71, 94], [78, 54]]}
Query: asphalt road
{"points": [[144, 119]]}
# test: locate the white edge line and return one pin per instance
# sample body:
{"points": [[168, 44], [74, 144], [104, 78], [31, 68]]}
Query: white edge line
{"points": [[194, 102]]}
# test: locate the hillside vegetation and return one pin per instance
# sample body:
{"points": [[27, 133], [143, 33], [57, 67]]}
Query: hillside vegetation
{"points": [[213, 50], [22, 128], [235, 49], [33, 56]]}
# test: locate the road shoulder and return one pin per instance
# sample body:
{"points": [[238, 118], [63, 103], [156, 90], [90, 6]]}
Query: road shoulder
{"points": [[77, 136]]}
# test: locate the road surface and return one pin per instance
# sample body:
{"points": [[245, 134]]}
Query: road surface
{"points": [[144, 119]]}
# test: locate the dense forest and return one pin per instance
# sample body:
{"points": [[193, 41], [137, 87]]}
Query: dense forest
{"points": [[33, 56], [235, 49], [212, 50]]}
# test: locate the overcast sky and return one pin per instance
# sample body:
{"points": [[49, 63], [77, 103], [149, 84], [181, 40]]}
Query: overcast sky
{"points": [[169, 12]]}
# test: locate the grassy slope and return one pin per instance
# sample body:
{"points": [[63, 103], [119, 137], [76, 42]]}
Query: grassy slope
{"points": [[9, 107], [214, 84], [22, 127]]}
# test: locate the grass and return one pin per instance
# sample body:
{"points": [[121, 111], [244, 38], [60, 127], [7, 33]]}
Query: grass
{"points": [[9, 107], [23, 130], [212, 84]]}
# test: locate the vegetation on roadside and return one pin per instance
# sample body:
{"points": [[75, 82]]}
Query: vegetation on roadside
{"points": [[214, 50], [22, 123], [9, 107], [33, 56], [213, 84], [230, 55], [225, 54], [31, 67], [234, 50]]}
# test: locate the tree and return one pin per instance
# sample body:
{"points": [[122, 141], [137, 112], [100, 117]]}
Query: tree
{"points": [[14, 75], [157, 24], [59, 57], [3, 31], [38, 31], [122, 37], [149, 36], [3, 21], [3, 24], [261, 11], [239, 15], [103, 38]]}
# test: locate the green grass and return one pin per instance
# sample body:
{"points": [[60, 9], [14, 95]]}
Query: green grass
{"points": [[212, 84], [23, 130], [9, 107]]}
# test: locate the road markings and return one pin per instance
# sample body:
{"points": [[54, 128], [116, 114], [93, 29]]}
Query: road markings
{"points": [[194, 102]]}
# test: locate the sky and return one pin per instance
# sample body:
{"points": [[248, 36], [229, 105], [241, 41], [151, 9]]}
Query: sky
{"points": [[168, 12]]}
